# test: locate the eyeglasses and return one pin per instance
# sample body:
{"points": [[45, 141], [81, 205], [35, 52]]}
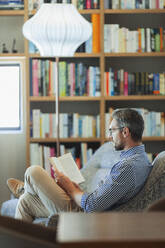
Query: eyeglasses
{"points": [[111, 130]]}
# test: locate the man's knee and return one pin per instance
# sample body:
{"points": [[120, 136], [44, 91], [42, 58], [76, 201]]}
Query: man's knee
{"points": [[34, 171]]}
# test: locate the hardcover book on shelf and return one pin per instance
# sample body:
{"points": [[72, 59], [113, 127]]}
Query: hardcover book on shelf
{"points": [[7, 5], [36, 154], [68, 167], [96, 33], [36, 116]]}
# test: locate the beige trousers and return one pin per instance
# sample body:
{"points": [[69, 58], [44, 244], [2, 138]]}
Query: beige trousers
{"points": [[42, 196]]}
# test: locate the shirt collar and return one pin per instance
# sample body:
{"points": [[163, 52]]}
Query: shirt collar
{"points": [[131, 151]]}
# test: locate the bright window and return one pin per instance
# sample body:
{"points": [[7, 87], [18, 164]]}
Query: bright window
{"points": [[10, 97]]}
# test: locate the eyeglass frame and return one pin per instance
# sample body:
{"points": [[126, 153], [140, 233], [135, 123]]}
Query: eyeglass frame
{"points": [[113, 129]]}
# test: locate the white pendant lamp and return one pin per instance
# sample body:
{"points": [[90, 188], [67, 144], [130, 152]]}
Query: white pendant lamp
{"points": [[57, 30]]}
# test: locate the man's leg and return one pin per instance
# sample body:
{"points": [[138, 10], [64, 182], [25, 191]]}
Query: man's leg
{"points": [[42, 196], [30, 207]]}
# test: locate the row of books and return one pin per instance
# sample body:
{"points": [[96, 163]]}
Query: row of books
{"points": [[71, 125], [154, 122], [120, 39], [14, 4], [75, 79], [120, 82], [39, 154], [134, 4], [80, 4]]}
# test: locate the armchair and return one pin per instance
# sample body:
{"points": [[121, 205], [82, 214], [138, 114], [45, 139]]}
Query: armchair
{"points": [[96, 168]]}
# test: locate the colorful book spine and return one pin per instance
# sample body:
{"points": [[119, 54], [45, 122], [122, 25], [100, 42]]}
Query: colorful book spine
{"points": [[95, 18]]}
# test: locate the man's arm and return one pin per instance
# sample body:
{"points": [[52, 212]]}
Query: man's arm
{"points": [[71, 188]]}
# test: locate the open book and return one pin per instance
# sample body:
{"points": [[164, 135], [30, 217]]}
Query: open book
{"points": [[68, 167]]}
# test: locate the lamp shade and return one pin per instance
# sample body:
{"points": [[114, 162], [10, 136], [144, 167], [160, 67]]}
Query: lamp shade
{"points": [[57, 30]]}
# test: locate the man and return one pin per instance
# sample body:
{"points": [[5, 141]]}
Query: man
{"points": [[44, 196]]}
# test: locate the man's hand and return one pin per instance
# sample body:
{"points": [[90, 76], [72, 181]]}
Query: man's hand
{"points": [[71, 188]]}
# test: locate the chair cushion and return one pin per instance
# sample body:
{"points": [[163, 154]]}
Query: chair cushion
{"points": [[153, 189], [96, 168], [8, 207]]}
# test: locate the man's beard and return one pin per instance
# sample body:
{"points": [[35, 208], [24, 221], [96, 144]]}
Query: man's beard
{"points": [[119, 147]]}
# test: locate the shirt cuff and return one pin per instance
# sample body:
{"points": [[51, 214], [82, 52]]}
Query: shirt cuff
{"points": [[83, 200]]}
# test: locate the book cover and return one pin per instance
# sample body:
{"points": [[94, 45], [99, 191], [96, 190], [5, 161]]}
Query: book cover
{"points": [[161, 83], [68, 167], [139, 41], [36, 114], [35, 76], [161, 39], [96, 33], [152, 42]]}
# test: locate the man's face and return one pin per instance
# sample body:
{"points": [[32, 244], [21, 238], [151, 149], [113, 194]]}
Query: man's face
{"points": [[116, 135]]}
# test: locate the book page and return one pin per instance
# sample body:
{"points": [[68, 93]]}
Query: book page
{"points": [[56, 163], [67, 165]]}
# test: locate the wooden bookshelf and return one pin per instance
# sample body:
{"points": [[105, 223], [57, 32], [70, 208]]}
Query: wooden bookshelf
{"points": [[103, 59]]}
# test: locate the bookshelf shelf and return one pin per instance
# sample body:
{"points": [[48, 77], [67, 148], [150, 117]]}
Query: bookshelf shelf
{"points": [[66, 140], [64, 99], [154, 138], [86, 55], [89, 11], [150, 139], [152, 54], [12, 54], [101, 105], [77, 55], [135, 97], [134, 11], [12, 12]]}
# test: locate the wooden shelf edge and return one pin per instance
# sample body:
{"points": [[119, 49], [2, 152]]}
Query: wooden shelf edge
{"points": [[76, 55], [134, 97], [12, 54], [64, 99], [134, 11], [152, 54], [64, 140], [153, 138], [94, 98], [12, 12], [89, 11], [147, 138]]}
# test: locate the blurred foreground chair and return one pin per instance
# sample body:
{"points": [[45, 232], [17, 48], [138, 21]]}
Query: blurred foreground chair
{"points": [[19, 234], [158, 205]]}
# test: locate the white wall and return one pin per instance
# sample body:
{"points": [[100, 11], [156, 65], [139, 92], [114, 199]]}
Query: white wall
{"points": [[13, 152], [11, 28]]}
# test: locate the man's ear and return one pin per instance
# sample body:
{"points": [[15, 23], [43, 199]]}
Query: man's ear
{"points": [[126, 132]]}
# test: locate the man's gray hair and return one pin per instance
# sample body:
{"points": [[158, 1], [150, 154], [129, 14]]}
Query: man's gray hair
{"points": [[131, 118]]}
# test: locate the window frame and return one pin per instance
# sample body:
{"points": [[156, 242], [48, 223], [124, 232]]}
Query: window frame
{"points": [[15, 62]]}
